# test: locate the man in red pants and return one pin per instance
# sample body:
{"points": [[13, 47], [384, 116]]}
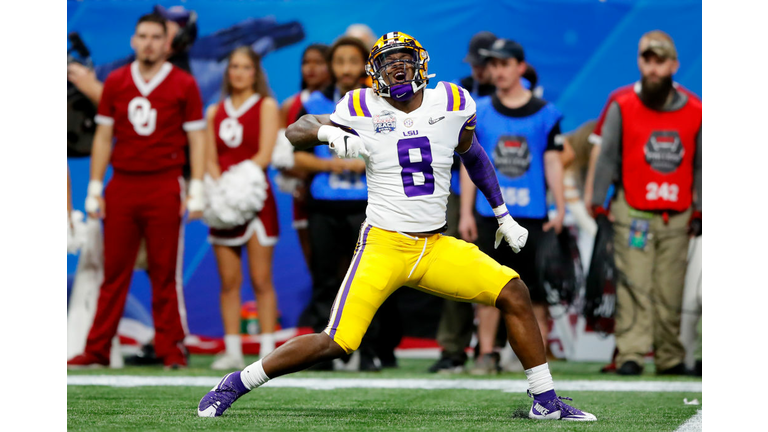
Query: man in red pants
{"points": [[153, 110]]}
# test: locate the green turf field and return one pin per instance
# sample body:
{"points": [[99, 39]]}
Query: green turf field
{"points": [[174, 407]]}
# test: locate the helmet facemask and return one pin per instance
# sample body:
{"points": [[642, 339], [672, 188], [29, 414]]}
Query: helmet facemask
{"points": [[390, 70]]}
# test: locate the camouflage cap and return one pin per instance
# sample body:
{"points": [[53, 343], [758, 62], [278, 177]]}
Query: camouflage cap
{"points": [[659, 43]]}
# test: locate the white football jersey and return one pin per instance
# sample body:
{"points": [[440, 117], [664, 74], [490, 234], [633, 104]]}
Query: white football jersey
{"points": [[409, 171]]}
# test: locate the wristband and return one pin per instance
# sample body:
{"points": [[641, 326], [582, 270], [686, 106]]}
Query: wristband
{"points": [[195, 188], [501, 211], [95, 188], [195, 201]]}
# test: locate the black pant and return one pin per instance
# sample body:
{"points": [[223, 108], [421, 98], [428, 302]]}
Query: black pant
{"points": [[523, 262], [332, 238]]}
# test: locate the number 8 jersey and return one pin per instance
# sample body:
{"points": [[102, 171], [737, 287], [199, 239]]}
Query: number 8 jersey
{"points": [[409, 171]]}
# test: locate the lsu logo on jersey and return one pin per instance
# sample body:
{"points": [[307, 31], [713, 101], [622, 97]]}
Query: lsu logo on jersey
{"points": [[142, 116], [231, 132]]}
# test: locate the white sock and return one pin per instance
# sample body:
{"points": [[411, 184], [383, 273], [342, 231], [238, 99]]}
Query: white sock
{"points": [[267, 344], [539, 379], [233, 345], [253, 376]]}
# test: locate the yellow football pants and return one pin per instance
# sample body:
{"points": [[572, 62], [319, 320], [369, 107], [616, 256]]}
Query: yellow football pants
{"points": [[386, 260]]}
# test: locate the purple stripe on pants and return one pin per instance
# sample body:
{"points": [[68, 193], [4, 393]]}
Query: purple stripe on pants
{"points": [[349, 283], [450, 96]]}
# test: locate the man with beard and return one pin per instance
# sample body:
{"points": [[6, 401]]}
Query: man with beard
{"points": [[154, 111], [651, 151]]}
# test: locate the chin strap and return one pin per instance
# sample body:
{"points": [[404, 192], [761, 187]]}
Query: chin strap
{"points": [[413, 87]]}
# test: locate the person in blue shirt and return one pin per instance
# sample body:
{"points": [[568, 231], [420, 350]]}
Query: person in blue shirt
{"points": [[520, 132], [456, 325]]}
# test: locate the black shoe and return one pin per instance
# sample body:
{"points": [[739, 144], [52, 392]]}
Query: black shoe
{"points": [[388, 360], [630, 368], [678, 369], [146, 357]]}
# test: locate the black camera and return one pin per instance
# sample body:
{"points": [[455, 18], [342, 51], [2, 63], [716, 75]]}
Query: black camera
{"points": [[80, 110]]}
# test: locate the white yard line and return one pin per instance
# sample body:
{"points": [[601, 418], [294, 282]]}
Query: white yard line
{"points": [[380, 383], [693, 424]]}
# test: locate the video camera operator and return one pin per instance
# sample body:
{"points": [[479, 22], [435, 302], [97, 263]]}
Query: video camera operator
{"points": [[182, 32], [80, 106]]}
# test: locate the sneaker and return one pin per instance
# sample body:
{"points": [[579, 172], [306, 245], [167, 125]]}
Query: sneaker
{"points": [[86, 361], [228, 362], [222, 396], [630, 368], [487, 364], [447, 365], [556, 409]]}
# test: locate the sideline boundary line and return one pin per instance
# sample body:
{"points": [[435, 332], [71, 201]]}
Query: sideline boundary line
{"points": [[693, 424]]}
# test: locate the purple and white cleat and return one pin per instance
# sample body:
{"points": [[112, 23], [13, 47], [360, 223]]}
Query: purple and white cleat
{"points": [[222, 396], [556, 409]]}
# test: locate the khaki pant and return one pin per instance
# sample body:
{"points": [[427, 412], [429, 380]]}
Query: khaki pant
{"points": [[649, 292]]}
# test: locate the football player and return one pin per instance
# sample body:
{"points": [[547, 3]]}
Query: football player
{"points": [[407, 136]]}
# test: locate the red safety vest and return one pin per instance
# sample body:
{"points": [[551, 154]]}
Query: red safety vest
{"points": [[657, 153]]}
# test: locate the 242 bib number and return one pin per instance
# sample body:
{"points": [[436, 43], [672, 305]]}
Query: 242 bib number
{"points": [[664, 191]]}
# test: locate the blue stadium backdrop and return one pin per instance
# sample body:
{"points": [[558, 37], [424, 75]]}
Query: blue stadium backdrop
{"points": [[582, 50]]}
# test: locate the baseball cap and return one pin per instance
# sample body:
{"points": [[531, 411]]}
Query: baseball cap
{"points": [[481, 40], [504, 49], [177, 14], [659, 43]]}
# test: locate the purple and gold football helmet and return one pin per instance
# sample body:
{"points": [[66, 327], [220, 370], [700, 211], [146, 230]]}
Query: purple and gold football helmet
{"points": [[383, 62]]}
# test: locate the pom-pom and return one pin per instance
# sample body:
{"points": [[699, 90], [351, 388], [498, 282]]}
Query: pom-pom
{"points": [[236, 197]]}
